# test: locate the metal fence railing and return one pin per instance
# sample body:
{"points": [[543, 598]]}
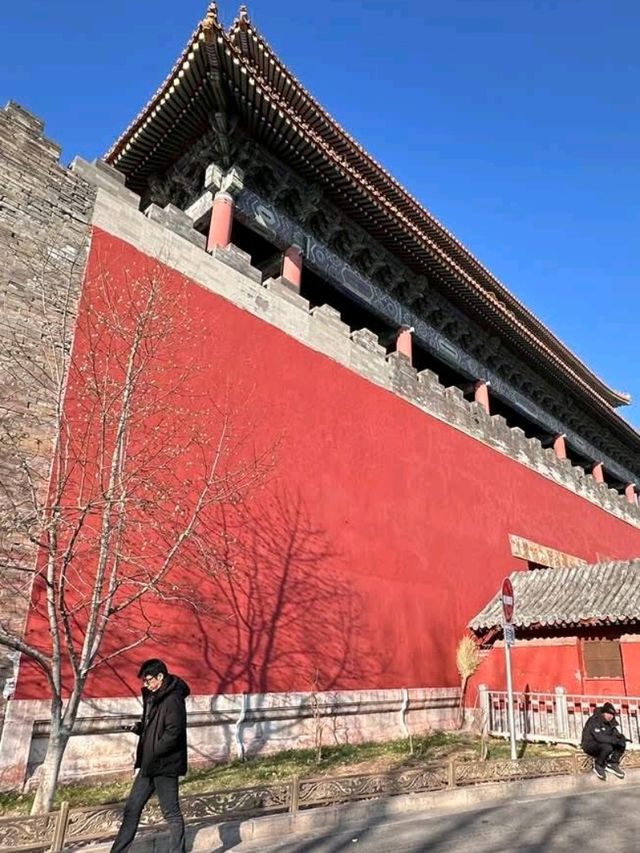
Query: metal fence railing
{"points": [[555, 717]]}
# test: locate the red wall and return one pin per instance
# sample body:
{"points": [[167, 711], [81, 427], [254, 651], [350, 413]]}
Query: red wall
{"points": [[381, 530], [541, 666], [631, 666], [535, 666]]}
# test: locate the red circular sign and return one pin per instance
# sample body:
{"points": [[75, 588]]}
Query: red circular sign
{"points": [[508, 600]]}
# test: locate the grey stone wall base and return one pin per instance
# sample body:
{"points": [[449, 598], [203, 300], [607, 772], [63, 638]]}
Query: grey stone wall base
{"points": [[219, 835]]}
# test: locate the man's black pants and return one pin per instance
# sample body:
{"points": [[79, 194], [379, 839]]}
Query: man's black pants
{"points": [[606, 753], [166, 787]]}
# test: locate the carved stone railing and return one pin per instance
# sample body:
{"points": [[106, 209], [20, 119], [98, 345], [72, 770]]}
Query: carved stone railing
{"points": [[31, 833], [53, 831]]}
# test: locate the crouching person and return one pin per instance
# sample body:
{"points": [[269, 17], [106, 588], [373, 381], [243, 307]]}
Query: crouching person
{"points": [[603, 742], [161, 756]]}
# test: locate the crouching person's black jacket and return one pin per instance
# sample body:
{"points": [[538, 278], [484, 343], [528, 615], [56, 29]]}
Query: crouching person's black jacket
{"points": [[597, 731], [162, 748]]}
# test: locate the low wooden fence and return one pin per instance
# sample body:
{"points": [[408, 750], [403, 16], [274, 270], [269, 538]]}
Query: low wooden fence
{"points": [[68, 826]]}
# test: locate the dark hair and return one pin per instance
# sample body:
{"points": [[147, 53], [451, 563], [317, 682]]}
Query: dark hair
{"points": [[152, 667]]}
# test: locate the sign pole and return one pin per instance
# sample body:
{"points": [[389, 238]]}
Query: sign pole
{"points": [[508, 633], [511, 715]]}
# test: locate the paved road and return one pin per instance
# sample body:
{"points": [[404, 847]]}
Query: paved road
{"points": [[607, 819]]}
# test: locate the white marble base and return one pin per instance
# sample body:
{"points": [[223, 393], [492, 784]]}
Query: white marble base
{"points": [[220, 727]]}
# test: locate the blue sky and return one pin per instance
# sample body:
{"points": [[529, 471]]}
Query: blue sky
{"points": [[516, 123]]}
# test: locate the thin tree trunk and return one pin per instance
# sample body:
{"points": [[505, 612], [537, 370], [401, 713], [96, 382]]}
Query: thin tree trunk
{"points": [[58, 740]]}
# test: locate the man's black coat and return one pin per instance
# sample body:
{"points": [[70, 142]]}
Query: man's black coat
{"points": [[162, 748], [598, 732]]}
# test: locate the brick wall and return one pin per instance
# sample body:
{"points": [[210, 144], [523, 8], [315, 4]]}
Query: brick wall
{"points": [[45, 212]]}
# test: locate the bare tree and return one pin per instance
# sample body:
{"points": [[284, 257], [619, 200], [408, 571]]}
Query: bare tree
{"points": [[122, 503]]}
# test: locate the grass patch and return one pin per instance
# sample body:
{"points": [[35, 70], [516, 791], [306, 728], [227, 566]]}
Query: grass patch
{"points": [[336, 760]]}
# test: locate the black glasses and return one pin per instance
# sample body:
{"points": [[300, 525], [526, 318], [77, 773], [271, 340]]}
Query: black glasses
{"points": [[148, 679]]}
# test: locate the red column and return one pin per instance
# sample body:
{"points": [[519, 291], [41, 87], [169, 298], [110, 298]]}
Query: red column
{"points": [[404, 343], [481, 395], [292, 266], [221, 222], [560, 447], [598, 472], [630, 492]]}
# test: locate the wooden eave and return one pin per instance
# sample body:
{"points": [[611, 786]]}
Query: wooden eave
{"points": [[178, 112], [238, 71]]}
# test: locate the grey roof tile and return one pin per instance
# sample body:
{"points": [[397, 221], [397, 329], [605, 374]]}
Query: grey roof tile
{"points": [[606, 593]]}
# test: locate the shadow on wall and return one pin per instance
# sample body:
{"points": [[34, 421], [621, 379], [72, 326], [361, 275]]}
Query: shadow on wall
{"points": [[279, 614], [283, 613]]}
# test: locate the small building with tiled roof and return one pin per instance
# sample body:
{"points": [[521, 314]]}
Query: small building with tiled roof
{"points": [[576, 626], [576, 596]]}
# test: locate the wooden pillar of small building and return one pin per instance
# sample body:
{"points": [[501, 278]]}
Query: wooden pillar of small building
{"points": [[631, 494], [481, 395], [560, 446], [292, 266], [598, 472], [404, 342], [221, 222]]}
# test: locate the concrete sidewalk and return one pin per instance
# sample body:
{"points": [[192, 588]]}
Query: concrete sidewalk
{"points": [[212, 836]]}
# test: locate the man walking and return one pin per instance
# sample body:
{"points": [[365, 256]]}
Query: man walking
{"points": [[602, 740], [161, 755]]}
